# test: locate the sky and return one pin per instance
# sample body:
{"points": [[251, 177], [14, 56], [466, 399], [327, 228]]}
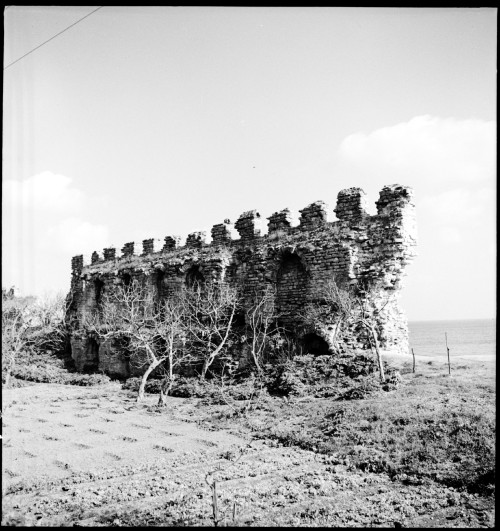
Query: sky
{"points": [[142, 122]]}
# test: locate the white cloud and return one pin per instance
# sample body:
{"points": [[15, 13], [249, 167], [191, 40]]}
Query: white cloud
{"points": [[458, 210], [460, 206], [75, 236], [44, 192], [450, 163], [424, 150], [449, 234], [43, 228]]}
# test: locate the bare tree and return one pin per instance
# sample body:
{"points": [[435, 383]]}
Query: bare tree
{"points": [[330, 312], [15, 327], [173, 313], [261, 324], [371, 304], [157, 331], [211, 309], [338, 310], [30, 326], [48, 316]]}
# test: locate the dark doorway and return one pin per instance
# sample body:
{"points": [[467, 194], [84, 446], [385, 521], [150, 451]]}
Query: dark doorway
{"points": [[91, 363], [160, 284], [99, 289], [194, 277], [314, 344], [126, 280]]}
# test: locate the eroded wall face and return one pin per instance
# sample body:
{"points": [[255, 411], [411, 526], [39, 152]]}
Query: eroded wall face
{"points": [[85, 353], [298, 261], [114, 359], [292, 286]]}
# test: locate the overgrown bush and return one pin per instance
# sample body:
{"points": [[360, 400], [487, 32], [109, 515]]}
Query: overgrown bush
{"points": [[186, 387], [285, 379], [327, 375], [30, 328], [45, 367], [213, 391], [54, 374], [152, 385], [345, 377], [363, 387]]}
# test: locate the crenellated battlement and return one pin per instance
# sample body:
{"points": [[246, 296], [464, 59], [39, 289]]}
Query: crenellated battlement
{"points": [[297, 259], [351, 205], [350, 209]]}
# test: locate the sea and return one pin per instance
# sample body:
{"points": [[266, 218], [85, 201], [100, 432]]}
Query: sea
{"points": [[472, 337]]}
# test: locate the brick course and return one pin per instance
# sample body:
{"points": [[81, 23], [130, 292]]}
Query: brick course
{"points": [[297, 260]]}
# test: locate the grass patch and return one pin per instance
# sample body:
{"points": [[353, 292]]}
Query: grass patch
{"points": [[425, 429], [51, 374], [45, 367]]}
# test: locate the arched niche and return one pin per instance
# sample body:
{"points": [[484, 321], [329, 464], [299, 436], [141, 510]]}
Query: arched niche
{"points": [[194, 277], [291, 288], [159, 284], [314, 344], [126, 279], [99, 291], [91, 359]]}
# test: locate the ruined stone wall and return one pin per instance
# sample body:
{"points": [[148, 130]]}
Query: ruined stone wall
{"points": [[297, 260]]}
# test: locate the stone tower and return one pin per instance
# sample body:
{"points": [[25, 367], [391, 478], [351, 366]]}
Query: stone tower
{"points": [[296, 260]]}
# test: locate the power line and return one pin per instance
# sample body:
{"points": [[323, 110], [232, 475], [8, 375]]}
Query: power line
{"points": [[40, 45]]}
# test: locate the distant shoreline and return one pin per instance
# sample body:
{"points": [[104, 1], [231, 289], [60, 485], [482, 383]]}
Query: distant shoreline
{"points": [[440, 358], [451, 320]]}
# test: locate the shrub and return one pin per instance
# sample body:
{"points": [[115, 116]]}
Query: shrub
{"points": [[285, 379], [322, 376], [54, 374], [370, 459], [362, 388], [183, 386], [186, 387], [152, 385]]}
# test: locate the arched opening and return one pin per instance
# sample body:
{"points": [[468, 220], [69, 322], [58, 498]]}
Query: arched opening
{"points": [[126, 279], [159, 284], [239, 319], [194, 277], [91, 361], [99, 290], [292, 282], [313, 344]]}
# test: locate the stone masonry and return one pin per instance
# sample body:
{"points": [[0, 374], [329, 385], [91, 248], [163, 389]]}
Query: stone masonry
{"points": [[296, 260]]}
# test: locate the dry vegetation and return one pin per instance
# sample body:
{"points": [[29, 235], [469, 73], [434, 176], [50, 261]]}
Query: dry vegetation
{"points": [[418, 454], [308, 441]]}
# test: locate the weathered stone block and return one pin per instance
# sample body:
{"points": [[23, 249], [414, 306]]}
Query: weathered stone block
{"points": [[128, 249], [351, 205], [109, 253], [248, 225], [171, 243], [221, 233], [313, 216], [195, 240]]}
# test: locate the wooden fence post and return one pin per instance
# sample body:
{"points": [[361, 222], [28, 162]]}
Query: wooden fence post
{"points": [[448, 351]]}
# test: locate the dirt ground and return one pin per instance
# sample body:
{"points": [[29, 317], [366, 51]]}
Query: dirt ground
{"points": [[93, 456]]}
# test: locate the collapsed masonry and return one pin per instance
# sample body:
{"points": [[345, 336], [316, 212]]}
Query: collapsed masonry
{"points": [[297, 260]]}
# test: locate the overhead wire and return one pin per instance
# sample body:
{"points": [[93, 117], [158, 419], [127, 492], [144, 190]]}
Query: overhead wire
{"points": [[53, 37]]}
